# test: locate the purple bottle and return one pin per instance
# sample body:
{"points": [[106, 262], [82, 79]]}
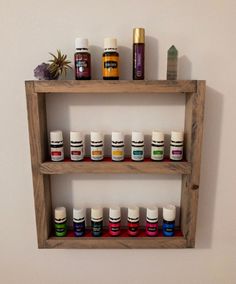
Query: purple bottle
{"points": [[138, 53]]}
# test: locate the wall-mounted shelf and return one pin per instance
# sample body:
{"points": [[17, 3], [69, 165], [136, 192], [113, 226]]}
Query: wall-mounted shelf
{"points": [[42, 169]]}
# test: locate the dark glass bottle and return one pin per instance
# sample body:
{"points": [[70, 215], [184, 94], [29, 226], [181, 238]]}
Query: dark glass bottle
{"points": [[138, 53], [82, 60], [110, 60]]}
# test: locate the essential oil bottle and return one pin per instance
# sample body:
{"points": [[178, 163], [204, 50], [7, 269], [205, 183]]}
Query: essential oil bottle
{"points": [[60, 222], [137, 147], [114, 221], [176, 146], [138, 53], [56, 146], [97, 221], [133, 221], [117, 146], [79, 222], [97, 146], [168, 226], [157, 149], [82, 60], [110, 59], [76, 146], [152, 222]]}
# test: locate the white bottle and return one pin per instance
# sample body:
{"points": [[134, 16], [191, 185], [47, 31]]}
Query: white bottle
{"points": [[76, 146], [117, 146], [56, 146], [97, 146], [176, 146], [157, 150], [137, 147]]}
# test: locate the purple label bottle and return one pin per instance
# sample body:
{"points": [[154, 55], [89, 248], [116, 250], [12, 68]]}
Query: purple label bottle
{"points": [[138, 53]]}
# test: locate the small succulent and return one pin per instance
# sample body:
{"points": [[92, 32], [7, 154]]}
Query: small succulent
{"points": [[59, 65], [42, 72]]}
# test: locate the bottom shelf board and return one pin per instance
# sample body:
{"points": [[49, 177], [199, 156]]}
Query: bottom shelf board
{"points": [[121, 242]]}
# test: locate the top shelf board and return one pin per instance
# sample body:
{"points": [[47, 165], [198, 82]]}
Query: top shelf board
{"points": [[116, 86]]}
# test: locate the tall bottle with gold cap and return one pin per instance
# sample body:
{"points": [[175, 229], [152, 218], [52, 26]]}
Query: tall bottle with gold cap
{"points": [[138, 53]]}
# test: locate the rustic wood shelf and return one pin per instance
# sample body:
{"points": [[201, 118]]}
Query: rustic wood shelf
{"points": [[109, 167], [42, 170]]}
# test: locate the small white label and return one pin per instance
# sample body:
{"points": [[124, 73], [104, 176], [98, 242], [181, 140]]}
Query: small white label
{"points": [[117, 153], [157, 153], [176, 153], [97, 153], [57, 154], [77, 153], [137, 153]]}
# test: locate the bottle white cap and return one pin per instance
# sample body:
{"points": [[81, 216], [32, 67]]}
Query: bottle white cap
{"points": [[133, 212], [60, 213], [96, 213], [96, 136], [81, 42], [114, 212], [177, 136], [152, 213], [157, 136], [117, 136], [110, 43], [76, 136], [169, 212], [78, 213], [56, 135], [137, 136]]}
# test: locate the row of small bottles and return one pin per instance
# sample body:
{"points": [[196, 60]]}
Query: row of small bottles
{"points": [[110, 58], [77, 148], [133, 228]]}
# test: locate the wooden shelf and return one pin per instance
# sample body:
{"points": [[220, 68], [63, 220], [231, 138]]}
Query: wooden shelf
{"points": [[42, 170], [116, 86], [121, 242], [107, 166]]}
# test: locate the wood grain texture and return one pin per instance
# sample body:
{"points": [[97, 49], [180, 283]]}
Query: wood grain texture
{"points": [[116, 243], [117, 86], [107, 167], [38, 147], [190, 183]]}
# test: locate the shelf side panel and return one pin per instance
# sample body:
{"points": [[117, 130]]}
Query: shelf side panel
{"points": [[194, 116], [38, 146]]}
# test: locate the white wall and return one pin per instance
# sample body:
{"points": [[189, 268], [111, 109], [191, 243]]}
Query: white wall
{"points": [[204, 33]]}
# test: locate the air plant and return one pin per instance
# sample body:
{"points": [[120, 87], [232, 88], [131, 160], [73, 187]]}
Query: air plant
{"points": [[57, 66]]}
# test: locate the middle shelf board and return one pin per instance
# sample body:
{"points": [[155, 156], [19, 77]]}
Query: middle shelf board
{"points": [[109, 167]]}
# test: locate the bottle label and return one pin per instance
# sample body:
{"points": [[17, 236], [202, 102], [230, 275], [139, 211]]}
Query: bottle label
{"points": [[157, 153], [133, 228], [176, 153], [110, 66], [57, 154], [117, 153], [152, 229], [137, 153], [96, 153], [96, 228], [168, 229], [76, 153], [60, 229], [79, 229], [82, 65], [138, 66], [114, 229]]}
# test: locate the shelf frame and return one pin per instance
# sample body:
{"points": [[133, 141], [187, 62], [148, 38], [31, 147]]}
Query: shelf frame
{"points": [[42, 170]]}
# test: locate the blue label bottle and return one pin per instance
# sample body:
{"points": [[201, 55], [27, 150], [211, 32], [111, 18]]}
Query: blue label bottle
{"points": [[168, 226], [79, 222]]}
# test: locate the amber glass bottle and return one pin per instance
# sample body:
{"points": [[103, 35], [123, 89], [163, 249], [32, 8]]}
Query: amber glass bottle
{"points": [[110, 60]]}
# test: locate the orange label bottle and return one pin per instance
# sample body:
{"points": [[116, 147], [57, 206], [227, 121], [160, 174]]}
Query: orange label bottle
{"points": [[110, 60]]}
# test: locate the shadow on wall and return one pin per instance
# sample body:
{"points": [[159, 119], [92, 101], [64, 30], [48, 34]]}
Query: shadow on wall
{"points": [[209, 167]]}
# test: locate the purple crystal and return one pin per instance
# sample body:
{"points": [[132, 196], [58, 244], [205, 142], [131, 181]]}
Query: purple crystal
{"points": [[41, 72]]}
